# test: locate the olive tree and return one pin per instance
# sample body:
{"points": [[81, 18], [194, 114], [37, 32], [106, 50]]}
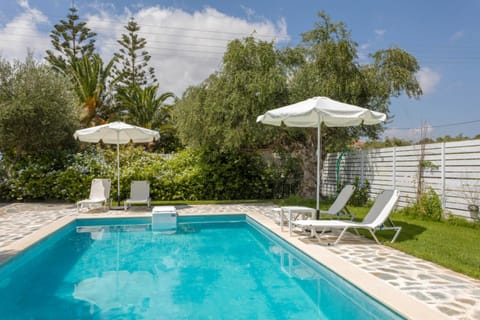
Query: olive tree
{"points": [[37, 109]]}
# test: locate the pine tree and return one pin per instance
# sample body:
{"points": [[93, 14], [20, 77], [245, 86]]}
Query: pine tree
{"points": [[72, 40], [132, 60]]}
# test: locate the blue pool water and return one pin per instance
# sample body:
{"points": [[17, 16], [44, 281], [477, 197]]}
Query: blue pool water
{"points": [[220, 267]]}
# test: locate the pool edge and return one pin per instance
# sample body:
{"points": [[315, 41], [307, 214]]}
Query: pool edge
{"points": [[388, 295], [17, 247]]}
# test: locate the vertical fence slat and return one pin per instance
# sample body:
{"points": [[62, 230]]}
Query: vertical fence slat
{"points": [[444, 196], [394, 166]]}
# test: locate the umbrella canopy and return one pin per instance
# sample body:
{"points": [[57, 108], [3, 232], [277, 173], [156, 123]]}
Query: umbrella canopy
{"points": [[315, 111], [116, 133]]}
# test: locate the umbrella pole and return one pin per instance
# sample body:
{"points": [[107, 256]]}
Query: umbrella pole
{"points": [[118, 174], [319, 159]]}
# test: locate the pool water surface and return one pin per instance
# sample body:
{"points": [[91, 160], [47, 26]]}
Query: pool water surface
{"points": [[211, 268]]}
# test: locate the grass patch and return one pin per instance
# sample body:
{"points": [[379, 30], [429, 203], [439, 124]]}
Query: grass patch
{"points": [[454, 244]]}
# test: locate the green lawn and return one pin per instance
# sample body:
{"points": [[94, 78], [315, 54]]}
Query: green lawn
{"points": [[452, 246]]}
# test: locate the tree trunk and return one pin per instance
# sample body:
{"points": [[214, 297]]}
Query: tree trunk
{"points": [[308, 159]]}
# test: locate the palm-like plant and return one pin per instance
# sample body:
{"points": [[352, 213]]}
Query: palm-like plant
{"points": [[144, 107], [90, 76]]}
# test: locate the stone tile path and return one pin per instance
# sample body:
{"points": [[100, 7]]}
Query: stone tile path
{"points": [[453, 294]]}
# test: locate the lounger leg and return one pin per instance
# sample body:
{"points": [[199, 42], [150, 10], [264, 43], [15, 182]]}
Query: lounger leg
{"points": [[340, 235], [372, 232], [316, 234], [396, 234]]}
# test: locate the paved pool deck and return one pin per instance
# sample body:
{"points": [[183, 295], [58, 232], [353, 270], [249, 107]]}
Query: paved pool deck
{"points": [[417, 288]]}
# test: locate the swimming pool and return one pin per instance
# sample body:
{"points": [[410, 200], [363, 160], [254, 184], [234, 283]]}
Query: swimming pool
{"points": [[214, 267]]}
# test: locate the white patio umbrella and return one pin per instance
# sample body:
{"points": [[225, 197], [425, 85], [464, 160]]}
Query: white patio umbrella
{"points": [[116, 133], [311, 113]]}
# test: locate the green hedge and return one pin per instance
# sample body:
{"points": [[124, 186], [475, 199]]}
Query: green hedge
{"points": [[187, 175]]}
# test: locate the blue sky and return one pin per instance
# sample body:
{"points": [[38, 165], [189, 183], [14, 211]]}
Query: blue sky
{"points": [[187, 39]]}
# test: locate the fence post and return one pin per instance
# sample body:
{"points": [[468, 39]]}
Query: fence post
{"points": [[444, 197], [362, 164], [394, 165]]}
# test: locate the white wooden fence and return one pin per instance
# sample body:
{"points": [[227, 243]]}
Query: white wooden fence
{"points": [[452, 170]]}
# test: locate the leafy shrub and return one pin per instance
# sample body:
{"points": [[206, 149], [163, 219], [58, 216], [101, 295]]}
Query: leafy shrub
{"points": [[187, 175], [360, 195], [179, 178], [73, 182], [234, 175], [428, 206], [285, 174], [59, 176]]}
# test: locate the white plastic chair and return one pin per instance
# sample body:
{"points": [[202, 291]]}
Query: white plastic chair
{"points": [[373, 221], [139, 193], [99, 194]]}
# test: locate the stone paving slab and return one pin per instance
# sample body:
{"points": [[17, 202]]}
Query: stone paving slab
{"points": [[453, 294]]}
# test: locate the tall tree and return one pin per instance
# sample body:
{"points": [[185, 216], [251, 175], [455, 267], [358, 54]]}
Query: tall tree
{"points": [[136, 95], [71, 40], [132, 59], [74, 57], [221, 112], [37, 109], [330, 67]]}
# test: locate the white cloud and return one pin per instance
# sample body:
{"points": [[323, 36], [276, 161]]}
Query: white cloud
{"points": [[185, 47], [428, 79], [379, 32], [22, 34], [363, 54], [457, 36], [248, 11], [413, 134], [24, 4]]}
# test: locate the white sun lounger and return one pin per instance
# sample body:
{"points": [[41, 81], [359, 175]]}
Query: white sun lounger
{"points": [[99, 194], [139, 193], [338, 208], [373, 221]]}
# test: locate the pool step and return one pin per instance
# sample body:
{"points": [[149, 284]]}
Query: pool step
{"points": [[164, 219]]}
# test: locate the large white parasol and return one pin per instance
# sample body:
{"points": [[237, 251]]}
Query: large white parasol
{"points": [[116, 133], [311, 113]]}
